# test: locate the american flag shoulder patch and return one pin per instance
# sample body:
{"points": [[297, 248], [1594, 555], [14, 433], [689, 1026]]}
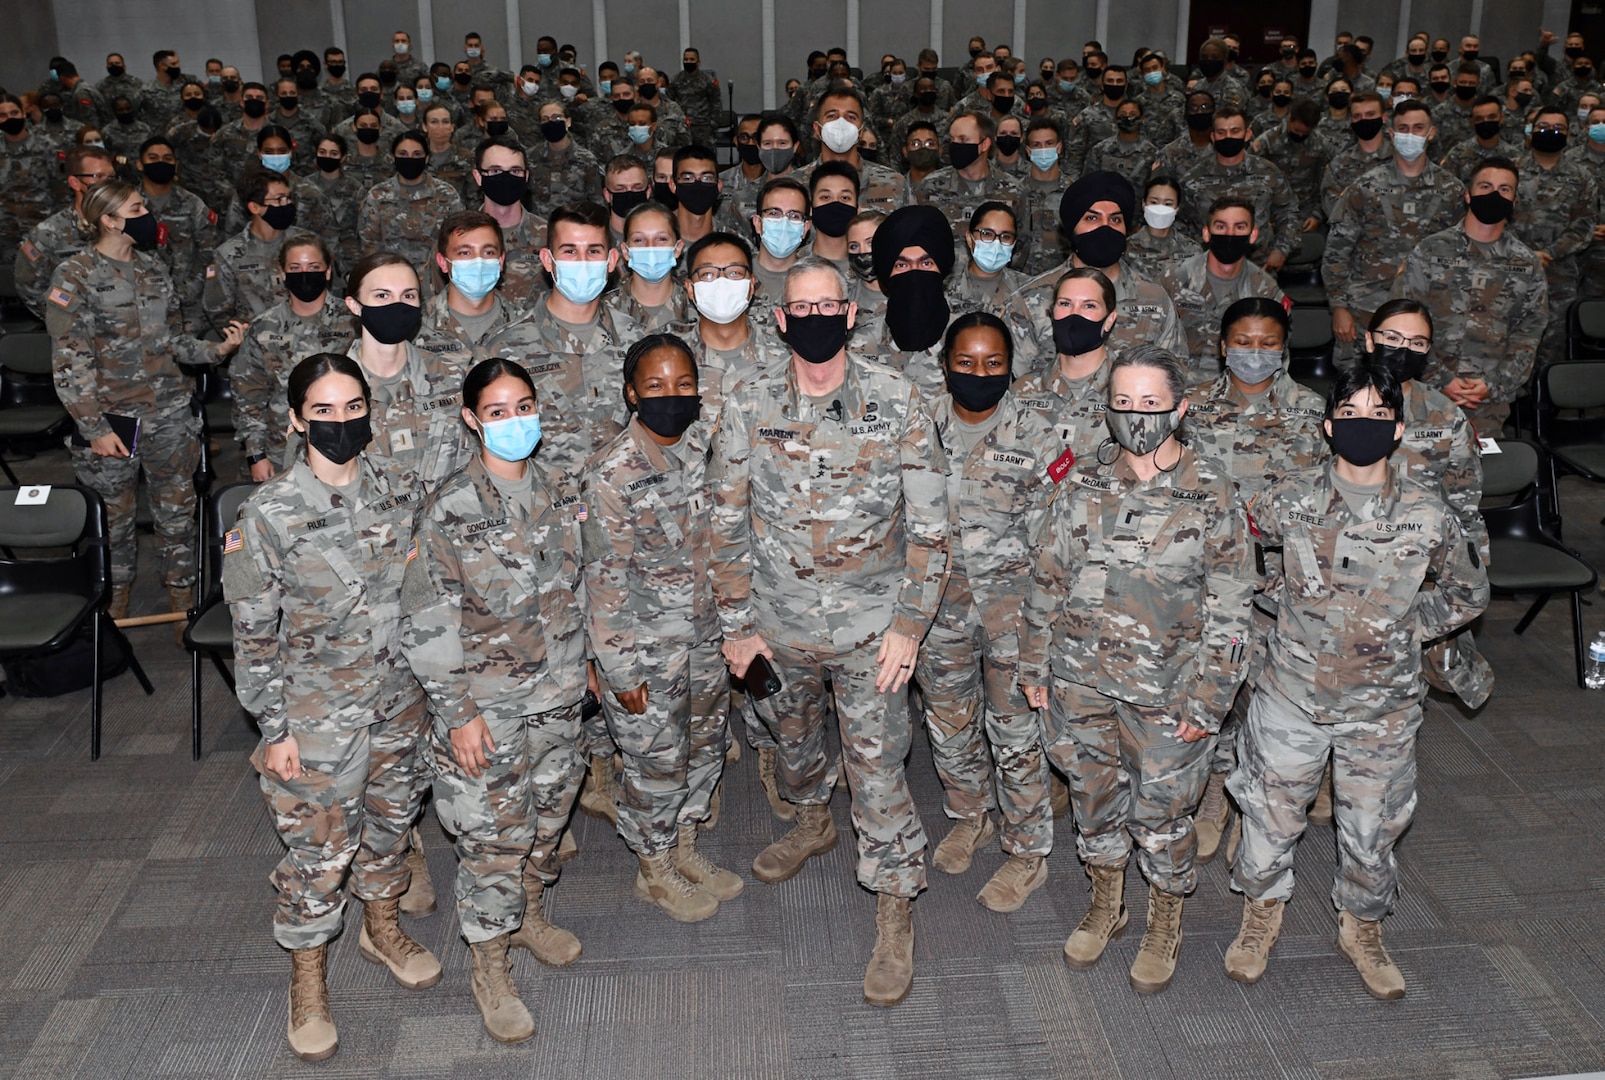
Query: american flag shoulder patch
{"points": [[580, 513], [30, 251], [61, 297], [412, 549], [233, 540]]}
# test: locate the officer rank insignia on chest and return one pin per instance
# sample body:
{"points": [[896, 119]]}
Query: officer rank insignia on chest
{"points": [[234, 540]]}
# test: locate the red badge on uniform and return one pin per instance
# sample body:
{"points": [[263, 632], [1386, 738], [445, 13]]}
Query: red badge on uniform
{"points": [[1061, 468], [1253, 526], [211, 217], [161, 234], [1287, 304]]}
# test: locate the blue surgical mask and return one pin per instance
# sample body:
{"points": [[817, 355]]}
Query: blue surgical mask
{"points": [[1020, 79], [1153, 78], [512, 439], [652, 263], [53, 76], [1410, 146], [1582, 115], [277, 162], [605, 86], [580, 280], [640, 134], [629, 68], [425, 94], [1044, 157], [1386, 92], [1067, 86], [1529, 130], [544, 59], [781, 237], [475, 278], [215, 80], [1596, 133], [442, 83], [993, 255], [407, 107]]}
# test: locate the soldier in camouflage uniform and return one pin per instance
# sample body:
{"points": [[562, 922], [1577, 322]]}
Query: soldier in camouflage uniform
{"points": [[242, 279], [309, 320], [61, 235], [560, 170], [1380, 218], [1488, 298], [697, 93], [313, 575], [342, 195], [1043, 186], [912, 253], [840, 109], [1364, 148], [1127, 152], [654, 628], [1231, 170], [1004, 462], [1159, 242], [1343, 676], [1096, 123], [986, 283], [113, 318], [404, 213], [160, 102], [28, 173], [118, 83], [1132, 642], [1070, 390], [1588, 152], [495, 633], [829, 550], [957, 191], [1556, 214], [1489, 139], [189, 228]]}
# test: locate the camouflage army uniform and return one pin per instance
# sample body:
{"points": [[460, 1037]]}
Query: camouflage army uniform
{"points": [[160, 104], [28, 172], [117, 342], [313, 578], [1379, 220], [311, 212], [305, 130], [1201, 299], [1556, 211], [199, 167], [1225, 88], [523, 276], [653, 624], [872, 339], [405, 218], [697, 93], [242, 280], [127, 86], [186, 247], [1136, 616], [442, 321], [827, 535], [235, 147], [1591, 262], [1090, 127], [1489, 306], [1162, 116], [1254, 179], [1147, 316], [1179, 156], [720, 370], [1453, 122], [958, 197], [494, 629], [879, 188], [892, 151], [342, 198], [1047, 249], [1076, 409], [980, 725], [278, 340], [1461, 162], [967, 292], [419, 438], [886, 106], [50, 243], [1348, 166], [1150, 254], [1440, 450], [557, 178], [124, 141], [1134, 160], [676, 312], [1344, 676]]}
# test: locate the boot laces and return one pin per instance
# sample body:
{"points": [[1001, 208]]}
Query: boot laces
{"points": [[889, 924], [1017, 872], [310, 1001], [1256, 926], [1368, 936], [669, 875], [1164, 922], [495, 972], [1214, 805]]}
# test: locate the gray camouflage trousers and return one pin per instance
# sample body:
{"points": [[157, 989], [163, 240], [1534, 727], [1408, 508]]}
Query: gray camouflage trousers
{"points": [[1281, 755], [876, 733], [674, 752], [983, 733], [348, 813], [514, 812], [1132, 779], [169, 448]]}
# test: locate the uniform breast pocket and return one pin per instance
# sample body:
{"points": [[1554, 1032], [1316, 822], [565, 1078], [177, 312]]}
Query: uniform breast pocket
{"points": [[1395, 575], [1177, 549], [487, 576], [877, 489], [779, 477], [658, 536]]}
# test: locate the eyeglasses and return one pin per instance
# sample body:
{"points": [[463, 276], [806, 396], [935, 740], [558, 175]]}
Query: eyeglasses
{"points": [[923, 144], [696, 178], [986, 236], [801, 309], [1393, 339], [279, 200], [731, 272], [777, 214], [494, 170]]}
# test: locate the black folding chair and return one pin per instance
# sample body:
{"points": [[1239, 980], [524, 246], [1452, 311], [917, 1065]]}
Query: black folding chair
{"points": [[1311, 348], [211, 626], [30, 413]]}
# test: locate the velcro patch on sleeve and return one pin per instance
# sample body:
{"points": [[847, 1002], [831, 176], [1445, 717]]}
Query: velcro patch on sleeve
{"points": [[1062, 465], [233, 541], [29, 251], [61, 298]]}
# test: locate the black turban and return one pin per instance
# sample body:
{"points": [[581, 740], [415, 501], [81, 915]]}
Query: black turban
{"points": [[912, 226], [1097, 187]]}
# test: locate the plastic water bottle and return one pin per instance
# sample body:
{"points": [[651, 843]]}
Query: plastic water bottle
{"points": [[1594, 671]]}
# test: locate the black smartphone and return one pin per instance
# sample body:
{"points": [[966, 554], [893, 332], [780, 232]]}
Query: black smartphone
{"points": [[761, 679], [589, 706]]}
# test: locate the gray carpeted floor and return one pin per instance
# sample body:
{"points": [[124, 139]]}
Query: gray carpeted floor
{"points": [[134, 907]]}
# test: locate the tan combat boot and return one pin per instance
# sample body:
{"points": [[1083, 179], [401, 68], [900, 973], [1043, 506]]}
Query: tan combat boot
{"points": [[1015, 880], [890, 973], [784, 810], [1155, 965], [1262, 925], [732, 753], [1360, 940], [549, 944], [1209, 823], [696, 867], [962, 841], [506, 1018], [600, 795], [1321, 811], [311, 1028], [814, 834], [419, 899], [180, 599], [384, 942], [1104, 921], [659, 883], [1058, 795], [117, 607], [568, 848]]}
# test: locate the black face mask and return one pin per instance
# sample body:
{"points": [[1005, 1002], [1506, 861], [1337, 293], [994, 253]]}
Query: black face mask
{"points": [[1264, 90], [279, 217], [1362, 440], [1211, 68], [1441, 88], [1439, 55], [370, 136], [925, 159], [391, 324], [831, 218], [328, 164], [1366, 130], [863, 264], [1523, 100], [647, 91], [697, 198], [1339, 100], [53, 116], [230, 86], [306, 80], [974, 53], [1288, 52], [553, 131], [411, 168], [689, 68], [496, 128], [1077, 335], [1582, 74], [369, 99], [1128, 124], [462, 78], [1003, 104], [1465, 93], [622, 107], [1281, 101], [977, 393], [336, 71], [1573, 52], [504, 189], [252, 107], [1307, 71], [1229, 146], [1470, 56], [1295, 138], [143, 231], [1229, 248], [1100, 247], [1406, 364], [661, 194], [1486, 129], [1008, 145], [1202, 121], [289, 104], [1036, 104], [387, 78], [748, 153], [191, 105], [623, 201], [963, 155], [816, 338], [1549, 142], [1417, 59], [925, 98], [1114, 92], [306, 285], [116, 70], [670, 415], [1491, 208], [159, 172], [173, 72], [15, 125], [340, 440], [916, 309]]}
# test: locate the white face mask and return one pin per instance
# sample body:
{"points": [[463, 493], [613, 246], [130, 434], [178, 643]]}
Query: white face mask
{"points": [[840, 135], [1408, 145], [721, 301], [1159, 217]]}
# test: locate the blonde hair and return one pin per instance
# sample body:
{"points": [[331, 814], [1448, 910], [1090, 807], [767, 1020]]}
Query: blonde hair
{"points": [[106, 197]]}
